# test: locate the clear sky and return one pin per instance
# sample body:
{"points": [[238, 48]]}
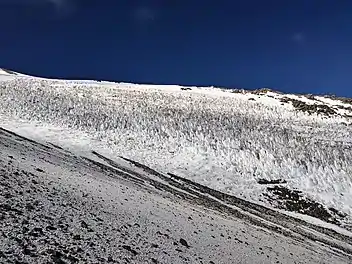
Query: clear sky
{"points": [[289, 45]]}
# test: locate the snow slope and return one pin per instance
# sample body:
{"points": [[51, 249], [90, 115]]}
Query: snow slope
{"points": [[57, 207], [2, 72], [6, 75], [225, 139]]}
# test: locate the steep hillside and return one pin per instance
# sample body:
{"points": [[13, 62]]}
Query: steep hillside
{"points": [[284, 151], [57, 207]]}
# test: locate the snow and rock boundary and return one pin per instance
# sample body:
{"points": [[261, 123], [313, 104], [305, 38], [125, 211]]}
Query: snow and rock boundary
{"points": [[64, 208]]}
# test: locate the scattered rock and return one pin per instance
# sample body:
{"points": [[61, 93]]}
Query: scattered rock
{"points": [[322, 109], [51, 228], [262, 91], [35, 181], [278, 181], [84, 224], [294, 201], [128, 248], [184, 243], [162, 234]]}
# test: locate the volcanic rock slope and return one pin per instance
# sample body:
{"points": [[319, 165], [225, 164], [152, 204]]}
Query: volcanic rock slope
{"points": [[57, 207]]}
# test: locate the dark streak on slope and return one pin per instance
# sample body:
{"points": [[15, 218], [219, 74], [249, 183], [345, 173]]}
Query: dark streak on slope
{"points": [[3, 131], [270, 215], [230, 205], [294, 201]]}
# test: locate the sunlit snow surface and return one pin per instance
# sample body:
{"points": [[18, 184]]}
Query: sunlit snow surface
{"points": [[220, 139]]}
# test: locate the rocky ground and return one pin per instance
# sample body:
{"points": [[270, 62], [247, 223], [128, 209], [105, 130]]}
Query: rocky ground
{"points": [[279, 196], [56, 207]]}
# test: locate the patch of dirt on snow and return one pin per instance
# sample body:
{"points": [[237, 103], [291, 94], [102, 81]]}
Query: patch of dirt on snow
{"points": [[310, 108], [294, 201]]}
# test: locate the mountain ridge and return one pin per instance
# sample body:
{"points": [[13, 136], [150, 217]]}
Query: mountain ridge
{"points": [[263, 90]]}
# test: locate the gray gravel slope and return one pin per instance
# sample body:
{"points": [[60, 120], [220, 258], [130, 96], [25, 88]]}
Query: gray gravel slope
{"points": [[56, 207]]}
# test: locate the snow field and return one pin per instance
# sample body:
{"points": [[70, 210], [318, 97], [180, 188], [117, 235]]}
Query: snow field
{"points": [[216, 138]]}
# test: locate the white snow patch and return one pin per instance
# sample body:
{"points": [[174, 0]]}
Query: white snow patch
{"points": [[332, 101], [2, 72], [318, 222]]}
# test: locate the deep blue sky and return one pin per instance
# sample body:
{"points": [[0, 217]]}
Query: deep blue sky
{"points": [[289, 45]]}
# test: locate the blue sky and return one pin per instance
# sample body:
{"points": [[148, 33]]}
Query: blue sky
{"points": [[300, 46]]}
